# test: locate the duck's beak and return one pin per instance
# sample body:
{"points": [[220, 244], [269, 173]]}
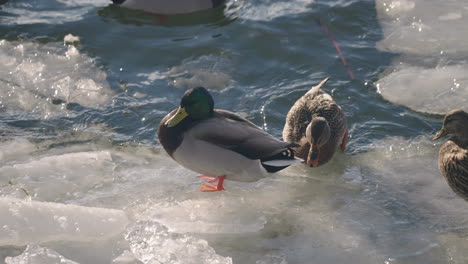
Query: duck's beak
{"points": [[177, 118], [313, 157], [442, 133]]}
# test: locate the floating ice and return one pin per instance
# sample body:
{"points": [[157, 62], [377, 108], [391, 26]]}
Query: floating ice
{"points": [[424, 27], [56, 176], [126, 258], [26, 222], [211, 72], [42, 78], [196, 215], [435, 91], [269, 10], [430, 75], [70, 39], [15, 150], [34, 254], [151, 242], [364, 206]]}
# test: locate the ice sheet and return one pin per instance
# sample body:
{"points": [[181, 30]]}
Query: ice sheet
{"points": [[25, 222], [430, 36], [424, 27], [153, 243], [34, 254], [429, 90], [43, 78], [363, 206]]}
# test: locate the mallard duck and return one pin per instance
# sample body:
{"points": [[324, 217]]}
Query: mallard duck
{"points": [[453, 155], [220, 144], [317, 123], [169, 7]]}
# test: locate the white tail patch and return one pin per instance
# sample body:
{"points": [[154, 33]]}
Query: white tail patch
{"points": [[282, 162]]}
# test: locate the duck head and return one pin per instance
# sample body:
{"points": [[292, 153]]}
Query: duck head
{"points": [[455, 122], [196, 104], [317, 134]]}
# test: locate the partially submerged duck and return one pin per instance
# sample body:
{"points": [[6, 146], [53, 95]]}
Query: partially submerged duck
{"points": [[169, 7], [220, 144], [453, 155], [318, 124]]}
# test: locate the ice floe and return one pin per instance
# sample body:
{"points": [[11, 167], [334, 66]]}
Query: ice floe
{"points": [[34, 254], [25, 222], [430, 36], [43, 78], [153, 243]]}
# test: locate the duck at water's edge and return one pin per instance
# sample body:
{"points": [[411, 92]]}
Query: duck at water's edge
{"points": [[169, 7], [220, 144], [318, 124], [453, 155]]}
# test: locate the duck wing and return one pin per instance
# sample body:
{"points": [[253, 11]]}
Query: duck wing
{"points": [[230, 131]]}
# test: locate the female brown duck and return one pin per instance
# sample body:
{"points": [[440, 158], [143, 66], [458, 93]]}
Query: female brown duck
{"points": [[317, 123], [453, 155]]}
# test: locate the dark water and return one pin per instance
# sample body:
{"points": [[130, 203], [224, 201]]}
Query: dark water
{"points": [[269, 63], [382, 201]]}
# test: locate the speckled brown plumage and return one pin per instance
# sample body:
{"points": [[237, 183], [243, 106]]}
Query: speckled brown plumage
{"points": [[315, 103], [453, 154]]}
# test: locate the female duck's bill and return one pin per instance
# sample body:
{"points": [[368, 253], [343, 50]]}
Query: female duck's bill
{"points": [[169, 7], [220, 144]]}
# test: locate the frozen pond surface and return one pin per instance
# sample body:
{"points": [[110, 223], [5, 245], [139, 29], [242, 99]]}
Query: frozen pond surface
{"points": [[84, 180]]}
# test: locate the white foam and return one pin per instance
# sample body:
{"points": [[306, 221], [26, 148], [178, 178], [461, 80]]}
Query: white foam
{"points": [[428, 90], [34, 254], [32, 75], [151, 242], [26, 222]]}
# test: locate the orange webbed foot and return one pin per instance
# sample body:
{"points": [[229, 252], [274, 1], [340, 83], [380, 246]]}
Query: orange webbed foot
{"points": [[213, 184]]}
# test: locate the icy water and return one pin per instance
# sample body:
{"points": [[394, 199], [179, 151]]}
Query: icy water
{"points": [[83, 178]]}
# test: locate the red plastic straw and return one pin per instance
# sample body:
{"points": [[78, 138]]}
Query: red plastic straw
{"points": [[335, 43]]}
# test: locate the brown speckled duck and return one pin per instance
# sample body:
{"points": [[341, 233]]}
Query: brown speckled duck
{"points": [[317, 123], [453, 155], [220, 144]]}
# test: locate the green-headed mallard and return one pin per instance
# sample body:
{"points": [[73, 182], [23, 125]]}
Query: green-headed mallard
{"points": [[453, 155], [317, 123], [220, 144]]}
